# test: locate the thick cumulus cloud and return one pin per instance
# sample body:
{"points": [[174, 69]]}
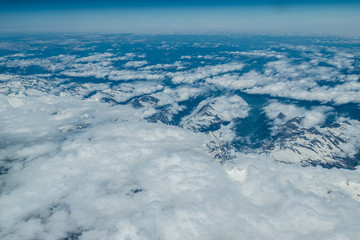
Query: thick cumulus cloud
{"points": [[89, 170], [274, 188], [229, 108]]}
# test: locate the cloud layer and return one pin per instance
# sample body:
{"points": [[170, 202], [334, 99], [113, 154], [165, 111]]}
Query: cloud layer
{"points": [[120, 137], [118, 177]]}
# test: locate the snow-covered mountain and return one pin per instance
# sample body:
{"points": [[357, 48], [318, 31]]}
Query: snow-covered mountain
{"points": [[335, 145]]}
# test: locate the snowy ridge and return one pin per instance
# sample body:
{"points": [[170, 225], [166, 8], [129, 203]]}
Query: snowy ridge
{"points": [[213, 117], [327, 146], [218, 148], [211, 113]]}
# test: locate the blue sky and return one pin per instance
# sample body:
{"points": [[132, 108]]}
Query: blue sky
{"points": [[160, 16], [68, 4]]}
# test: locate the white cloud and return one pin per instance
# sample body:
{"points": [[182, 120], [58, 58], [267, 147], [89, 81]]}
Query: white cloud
{"points": [[7, 77], [229, 108], [125, 75], [25, 63], [168, 101], [178, 94], [204, 72], [341, 58], [177, 65], [106, 70], [234, 81], [257, 53], [101, 66], [97, 57], [298, 199], [25, 84], [302, 81], [215, 111], [314, 117], [135, 64], [120, 177]]}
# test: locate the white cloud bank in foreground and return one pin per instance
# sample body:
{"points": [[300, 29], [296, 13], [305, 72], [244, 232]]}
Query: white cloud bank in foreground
{"points": [[98, 172]]}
